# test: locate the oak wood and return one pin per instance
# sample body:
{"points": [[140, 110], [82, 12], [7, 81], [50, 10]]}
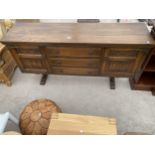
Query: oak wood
{"points": [[71, 124], [8, 65], [153, 91], [43, 79], [114, 50], [146, 80], [112, 82], [82, 33]]}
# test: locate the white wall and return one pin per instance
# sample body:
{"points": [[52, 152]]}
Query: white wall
{"points": [[75, 20]]}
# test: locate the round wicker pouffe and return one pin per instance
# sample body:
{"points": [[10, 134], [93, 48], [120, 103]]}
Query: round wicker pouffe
{"points": [[35, 118]]}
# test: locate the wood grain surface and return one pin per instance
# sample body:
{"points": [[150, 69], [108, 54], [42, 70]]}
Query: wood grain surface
{"points": [[84, 33], [71, 124]]}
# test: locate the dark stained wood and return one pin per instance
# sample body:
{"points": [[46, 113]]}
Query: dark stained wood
{"points": [[74, 62], [153, 91], [80, 33], [122, 61], [75, 71], [43, 79], [146, 79], [113, 50], [73, 52], [112, 82]]}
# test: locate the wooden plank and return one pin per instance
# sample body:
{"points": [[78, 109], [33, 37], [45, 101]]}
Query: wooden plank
{"points": [[102, 33], [81, 124]]}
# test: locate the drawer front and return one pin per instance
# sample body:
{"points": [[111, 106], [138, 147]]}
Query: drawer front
{"points": [[73, 52], [73, 62], [74, 71]]}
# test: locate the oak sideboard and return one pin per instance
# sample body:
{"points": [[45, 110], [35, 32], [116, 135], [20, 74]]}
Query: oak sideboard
{"points": [[96, 49]]}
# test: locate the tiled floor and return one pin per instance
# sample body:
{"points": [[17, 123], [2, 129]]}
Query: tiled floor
{"points": [[134, 110]]}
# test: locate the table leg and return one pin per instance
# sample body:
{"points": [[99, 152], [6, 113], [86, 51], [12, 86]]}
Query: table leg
{"points": [[43, 79], [112, 83]]}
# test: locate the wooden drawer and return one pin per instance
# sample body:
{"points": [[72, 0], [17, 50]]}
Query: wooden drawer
{"points": [[73, 52], [73, 62], [74, 71]]}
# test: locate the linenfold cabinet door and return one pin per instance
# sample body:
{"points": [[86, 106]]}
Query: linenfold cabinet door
{"points": [[122, 61], [30, 59]]}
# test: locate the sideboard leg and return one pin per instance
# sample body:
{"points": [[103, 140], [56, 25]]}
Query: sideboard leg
{"points": [[153, 92], [112, 83], [43, 79]]}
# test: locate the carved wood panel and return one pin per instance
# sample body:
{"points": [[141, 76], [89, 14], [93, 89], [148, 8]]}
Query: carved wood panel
{"points": [[122, 62]]}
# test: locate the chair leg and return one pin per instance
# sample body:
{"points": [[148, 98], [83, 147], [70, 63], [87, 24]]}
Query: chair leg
{"points": [[112, 83]]}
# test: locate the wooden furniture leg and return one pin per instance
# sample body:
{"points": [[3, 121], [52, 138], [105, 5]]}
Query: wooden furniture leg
{"points": [[118, 20], [8, 83], [43, 79], [112, 83], [153, 91]]}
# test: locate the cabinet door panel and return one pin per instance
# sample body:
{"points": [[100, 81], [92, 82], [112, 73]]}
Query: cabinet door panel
{"points": [[33, 65], [32, 61], [122, 62], [118, 68]]}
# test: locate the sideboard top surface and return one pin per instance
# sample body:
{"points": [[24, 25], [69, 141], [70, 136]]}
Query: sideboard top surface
{"points": [[69, 33]]}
